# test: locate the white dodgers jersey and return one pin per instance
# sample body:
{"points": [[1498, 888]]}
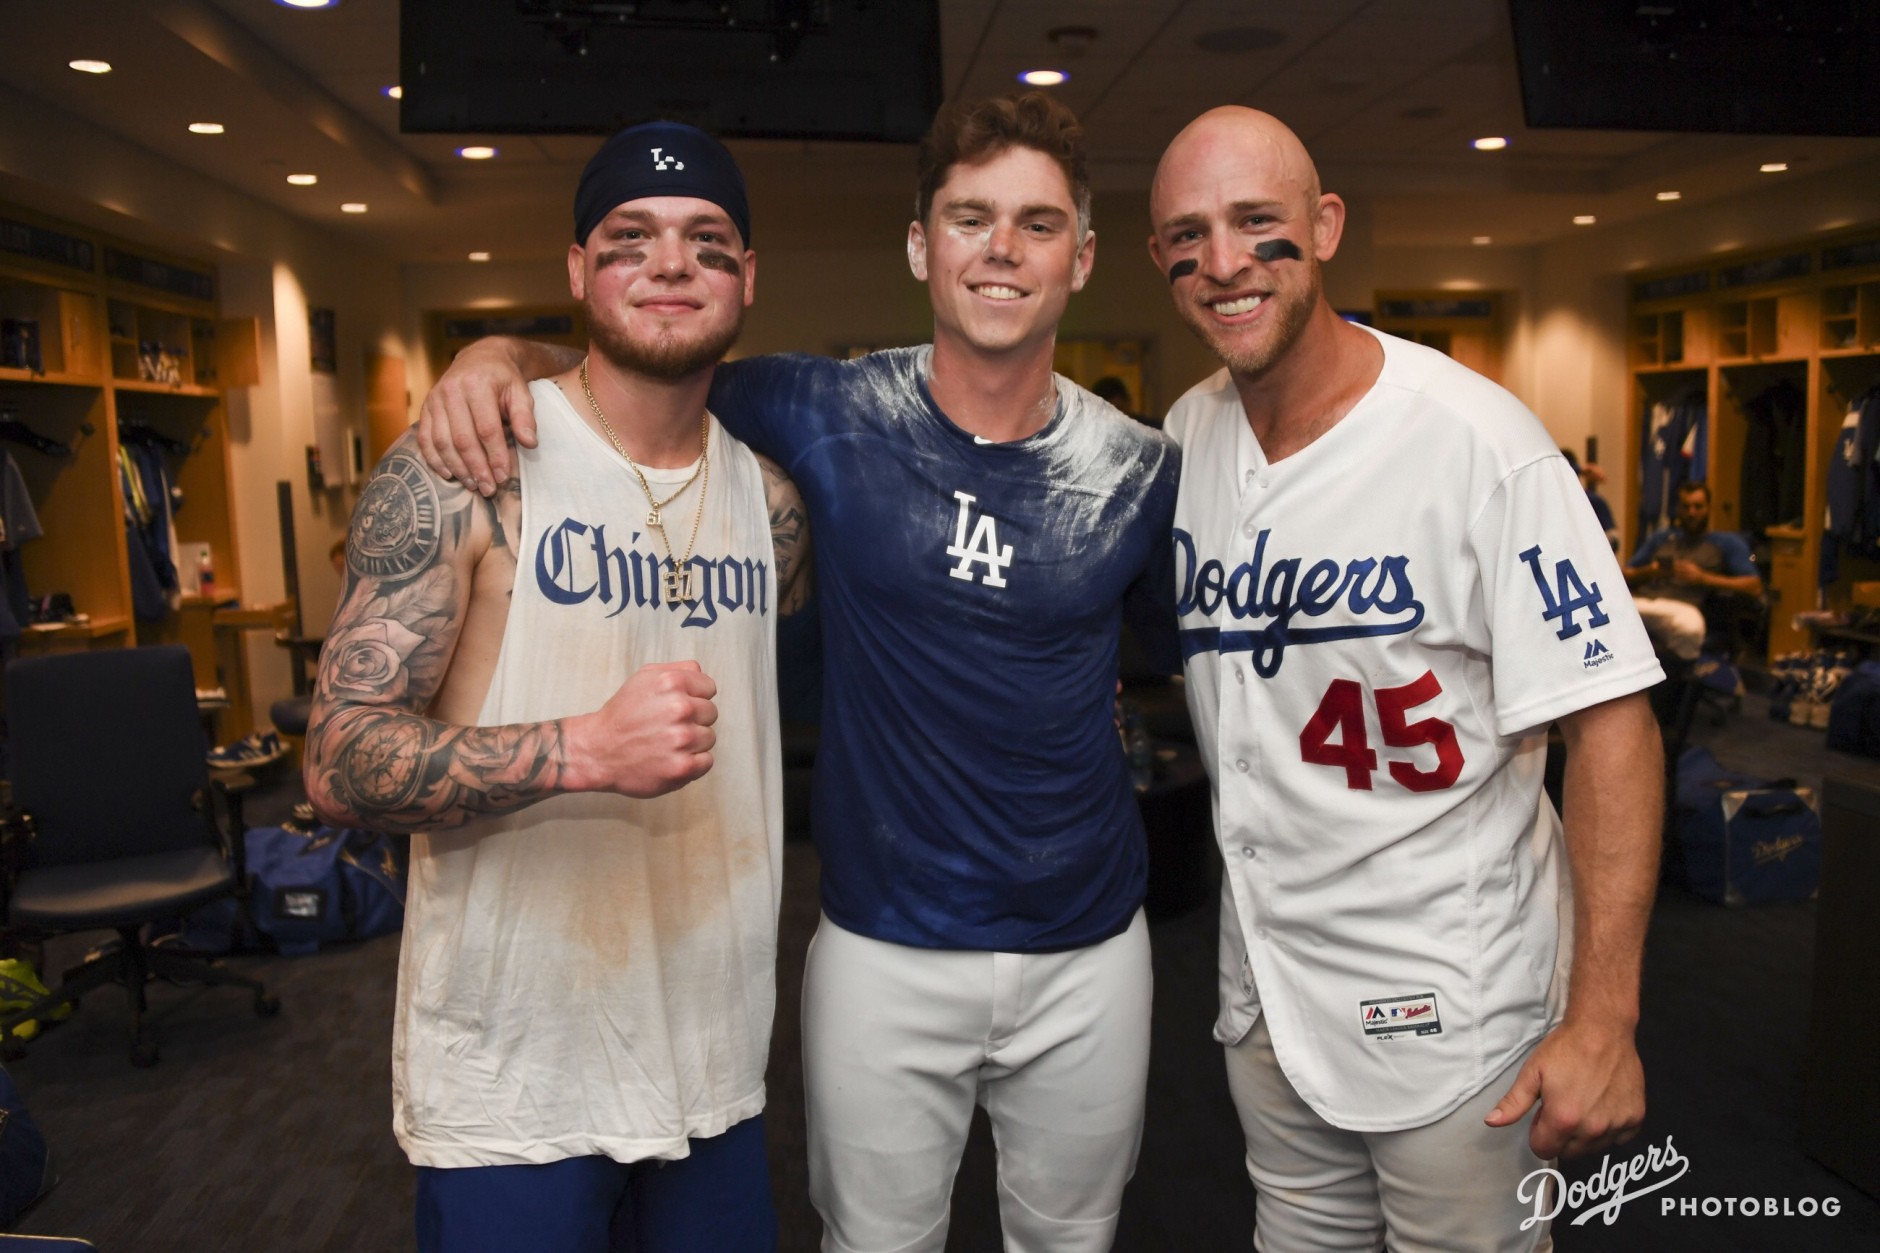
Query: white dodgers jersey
{"points": [[595, 974], [1377, 631]]}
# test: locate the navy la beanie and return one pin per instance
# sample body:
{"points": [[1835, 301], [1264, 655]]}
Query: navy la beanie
{"points": [[660, 159]]}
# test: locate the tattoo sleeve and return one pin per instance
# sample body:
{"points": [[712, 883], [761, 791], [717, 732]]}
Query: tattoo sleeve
{"points": [[789, 538], [373, 758]]}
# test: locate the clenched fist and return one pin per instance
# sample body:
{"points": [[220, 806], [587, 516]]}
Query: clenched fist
{"points": [[653, 736]]}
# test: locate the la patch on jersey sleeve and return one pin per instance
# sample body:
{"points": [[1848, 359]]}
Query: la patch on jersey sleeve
{"points": [[1566, 634]]}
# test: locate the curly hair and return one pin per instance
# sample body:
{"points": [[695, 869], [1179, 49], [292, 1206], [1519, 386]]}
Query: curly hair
{"points": [[978, 131]]}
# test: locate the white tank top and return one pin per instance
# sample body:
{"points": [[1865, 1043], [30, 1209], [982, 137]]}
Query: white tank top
{"points": [[595, 974]]}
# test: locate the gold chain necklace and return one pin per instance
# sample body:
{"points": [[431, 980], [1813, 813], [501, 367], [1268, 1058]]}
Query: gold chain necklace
{"points": [[678, 573]]}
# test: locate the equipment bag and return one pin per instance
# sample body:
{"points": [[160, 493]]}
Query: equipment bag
{"points": [[307, 888], [25, 1165], [1854, 714], [1742, 840]]}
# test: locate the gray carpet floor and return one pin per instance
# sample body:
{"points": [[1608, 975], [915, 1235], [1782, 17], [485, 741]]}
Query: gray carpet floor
{"points": [[273, 1135]]}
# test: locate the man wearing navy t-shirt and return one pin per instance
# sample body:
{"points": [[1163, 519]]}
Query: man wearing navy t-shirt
{"points": [[1675, 570], [982, 526]]}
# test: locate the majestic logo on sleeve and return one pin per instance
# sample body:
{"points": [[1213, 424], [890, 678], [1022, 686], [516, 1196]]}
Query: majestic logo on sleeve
{"points": [[983, 548], [1375, 593], [1567, 597], [574, 564]]}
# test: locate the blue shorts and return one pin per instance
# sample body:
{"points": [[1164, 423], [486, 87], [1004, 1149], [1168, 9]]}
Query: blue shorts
{"points": [[717, 1199]]}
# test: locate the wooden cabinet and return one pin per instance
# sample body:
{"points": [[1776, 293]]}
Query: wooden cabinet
{"points": [[1467, 326], [1805, 317], [106, 343]]}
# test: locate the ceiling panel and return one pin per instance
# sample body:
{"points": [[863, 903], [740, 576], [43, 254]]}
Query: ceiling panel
{"points": [[1345, 75]]}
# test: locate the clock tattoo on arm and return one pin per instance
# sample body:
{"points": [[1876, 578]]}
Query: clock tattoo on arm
{"points": [[396, 530]]}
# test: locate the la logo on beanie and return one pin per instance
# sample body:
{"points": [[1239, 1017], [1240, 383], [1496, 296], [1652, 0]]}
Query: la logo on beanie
{"points": [[666, 163]]}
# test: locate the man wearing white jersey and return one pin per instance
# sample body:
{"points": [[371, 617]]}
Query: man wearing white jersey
{"points": [[1390, 584], [587, 982]]}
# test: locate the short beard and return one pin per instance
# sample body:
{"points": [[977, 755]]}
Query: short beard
{"points": [[1289, 323], [666, 358]]}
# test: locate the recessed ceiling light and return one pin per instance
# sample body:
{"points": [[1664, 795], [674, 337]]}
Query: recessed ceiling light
{"points": [[1774, 167], [1584, 219], [1489, 143], [303, 180], [91, 67], [352, 206], [1044, 78], [479, 256], [308, 4], [395, 92], [476, 152], [1482, 239], [206, 128], [1671, 195]]}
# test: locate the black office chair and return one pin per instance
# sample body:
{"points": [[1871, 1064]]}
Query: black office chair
{"points": [[115, 823]]}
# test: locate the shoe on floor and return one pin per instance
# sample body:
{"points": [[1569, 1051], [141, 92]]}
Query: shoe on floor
{"points": [[255, 749]]}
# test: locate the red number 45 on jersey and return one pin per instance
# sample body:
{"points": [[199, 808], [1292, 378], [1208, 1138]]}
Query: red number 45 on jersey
{"points": [[1341, 710]]}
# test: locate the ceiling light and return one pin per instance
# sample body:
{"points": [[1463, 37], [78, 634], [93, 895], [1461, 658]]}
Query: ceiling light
{"points": [[395, 92], [206, 128], [1584, 219], [1489, 143], [308, 4], [1044, 78], [91, 67], [1482, 239], [479, 256], [1774, 167], [352, 206], [303, 180], [476, 152], [1671, 195]]}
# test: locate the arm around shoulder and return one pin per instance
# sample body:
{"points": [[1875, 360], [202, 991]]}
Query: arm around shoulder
{"points": [[465, 424]]}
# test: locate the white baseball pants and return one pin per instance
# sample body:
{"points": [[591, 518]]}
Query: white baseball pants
{"points": [[898, 1045], [1677, 625], [1433, 1189]]}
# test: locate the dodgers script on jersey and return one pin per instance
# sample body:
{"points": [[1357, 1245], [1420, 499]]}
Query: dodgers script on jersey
{"points": [[970, 790], [1377, 631], [537, 1017]]}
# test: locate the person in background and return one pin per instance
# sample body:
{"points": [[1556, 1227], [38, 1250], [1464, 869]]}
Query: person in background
{"points": [[1116, 391], [1675, 570], [1592, 478]]}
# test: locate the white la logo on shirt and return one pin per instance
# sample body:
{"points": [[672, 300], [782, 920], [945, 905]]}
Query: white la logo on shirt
{"points": [[666, 163], [984, 545]]}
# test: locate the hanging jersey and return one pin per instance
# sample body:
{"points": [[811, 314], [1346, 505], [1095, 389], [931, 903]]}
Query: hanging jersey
{"points": [[595, 974], [970, 789], [1378, 629]]}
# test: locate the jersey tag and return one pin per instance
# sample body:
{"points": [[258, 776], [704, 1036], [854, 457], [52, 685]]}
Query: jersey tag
{"points": [[1389, 1017]]}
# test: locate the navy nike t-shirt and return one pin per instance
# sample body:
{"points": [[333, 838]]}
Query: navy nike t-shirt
{"points": [[970, 790]]}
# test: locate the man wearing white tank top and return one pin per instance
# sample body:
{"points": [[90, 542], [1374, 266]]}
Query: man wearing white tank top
{"points": [[568, 694]]}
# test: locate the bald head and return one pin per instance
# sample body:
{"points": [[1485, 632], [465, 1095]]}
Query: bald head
{"points": [[1240, 227], [1236, 146]]}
